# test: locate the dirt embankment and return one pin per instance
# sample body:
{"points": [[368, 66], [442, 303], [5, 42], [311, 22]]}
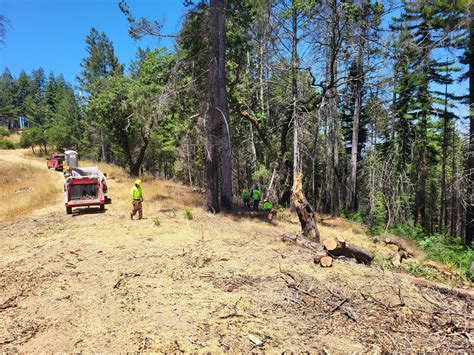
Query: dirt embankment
{"points": [[101, 282]]}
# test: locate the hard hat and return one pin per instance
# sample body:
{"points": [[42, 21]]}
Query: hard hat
{"points": [[138, 182]]}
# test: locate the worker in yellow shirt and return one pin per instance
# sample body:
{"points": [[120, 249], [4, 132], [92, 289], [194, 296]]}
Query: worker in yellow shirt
{"points": [[137, 199]]}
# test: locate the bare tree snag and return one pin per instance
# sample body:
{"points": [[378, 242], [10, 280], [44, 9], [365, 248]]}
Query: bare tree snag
{"points": [[303, 209], [341, 248], [326, 261]]}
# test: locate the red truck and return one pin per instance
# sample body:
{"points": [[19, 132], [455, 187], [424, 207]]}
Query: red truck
{"points": [[55, 161], [86, 186]]}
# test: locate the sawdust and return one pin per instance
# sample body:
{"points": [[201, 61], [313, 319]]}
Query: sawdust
{"points": [[97, 282]]}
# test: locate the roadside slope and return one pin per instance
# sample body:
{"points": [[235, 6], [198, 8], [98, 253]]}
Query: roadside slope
{"points": [[101, 282]]}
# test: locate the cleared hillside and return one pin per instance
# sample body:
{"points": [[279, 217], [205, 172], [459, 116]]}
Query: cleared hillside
{"points": [[101, 282]]}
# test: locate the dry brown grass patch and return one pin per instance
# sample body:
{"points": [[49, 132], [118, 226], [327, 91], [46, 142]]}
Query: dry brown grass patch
{"points": [[24, 188]]}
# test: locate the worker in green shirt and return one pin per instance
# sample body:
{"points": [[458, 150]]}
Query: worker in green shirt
{"points": [[246, 198], [137, 199], [256, 194], [267, 206]]}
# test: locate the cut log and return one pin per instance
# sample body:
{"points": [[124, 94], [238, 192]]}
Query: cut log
{"points": [[304, 210], [326, 261], [330, 244], [341, 248], [319, 255]]}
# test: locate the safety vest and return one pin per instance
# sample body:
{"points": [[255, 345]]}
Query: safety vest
{"points": [[245, 195], [137, 193], [256, 194], [267, 206]]}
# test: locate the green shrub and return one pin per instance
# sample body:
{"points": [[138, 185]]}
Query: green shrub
{"points": [[441, 248], [378, 218], [448, 250], [353, 216], [420, 270], [409, 230], [262, 175], [157, 222], [4, 144], [4, 132], [188, 214]]}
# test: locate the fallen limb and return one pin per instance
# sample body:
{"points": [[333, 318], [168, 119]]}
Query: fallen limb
{"points": [[301, 241], [337, 248], [460, 292]]}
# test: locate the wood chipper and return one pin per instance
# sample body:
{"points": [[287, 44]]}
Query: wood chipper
{"points": [[85, 186]]}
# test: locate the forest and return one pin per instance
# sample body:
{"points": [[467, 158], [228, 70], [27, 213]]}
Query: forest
{"points": [[364, 103]]}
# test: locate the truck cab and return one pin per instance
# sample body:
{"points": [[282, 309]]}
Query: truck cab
{"points": [[55, 161]]}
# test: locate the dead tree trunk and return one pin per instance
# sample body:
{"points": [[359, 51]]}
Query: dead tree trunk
{"points": [[303, 209]]}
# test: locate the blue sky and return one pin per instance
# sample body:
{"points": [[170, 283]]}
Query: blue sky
{"points": [[51, 33]]}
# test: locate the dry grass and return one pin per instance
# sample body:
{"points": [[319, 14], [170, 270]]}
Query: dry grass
{"points": [[171, 194], [14, 137], [24, 188]]}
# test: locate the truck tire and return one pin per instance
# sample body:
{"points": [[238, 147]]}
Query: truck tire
{"points": [[102, 207], [69, 210]]}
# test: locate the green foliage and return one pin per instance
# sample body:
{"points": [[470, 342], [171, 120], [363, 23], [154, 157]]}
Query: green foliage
{"points": [[378, 218], [188, 214], [157, 222], [419, 270], [409, 230], [448, 251], [438, 247], [353, 216], [4, 132], [5, 144], [262, 175], [32, 137]]}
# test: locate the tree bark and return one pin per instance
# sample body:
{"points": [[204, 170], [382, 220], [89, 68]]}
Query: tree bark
{"points": [[470, 162], [212, 116], [443, 216], [226, 151], [358, 85]]}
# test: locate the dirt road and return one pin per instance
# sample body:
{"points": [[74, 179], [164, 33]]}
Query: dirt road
{"points": [[101, 282]]}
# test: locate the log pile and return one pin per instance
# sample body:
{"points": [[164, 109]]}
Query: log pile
{"points": [[330, 249]]}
